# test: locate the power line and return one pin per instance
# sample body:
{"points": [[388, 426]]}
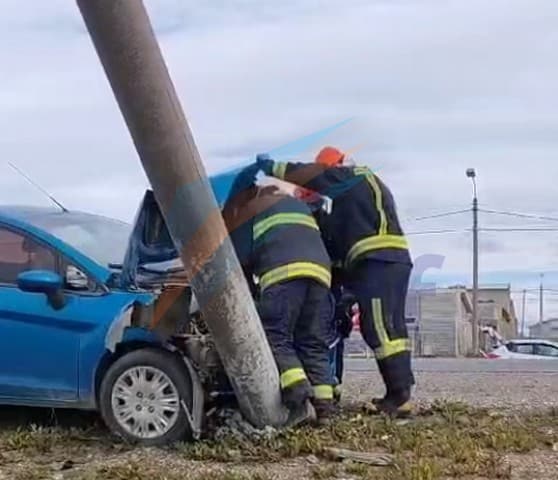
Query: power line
{"points": [[436, 232], [519, 215], [492, 230], [527, 229], [440, 215], [487, 210], [535, 291]]}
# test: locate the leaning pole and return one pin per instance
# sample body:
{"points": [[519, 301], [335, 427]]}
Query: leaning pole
{"points": [[126, 45]]}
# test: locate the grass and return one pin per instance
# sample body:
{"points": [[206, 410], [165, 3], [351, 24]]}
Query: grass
{"points": [[125, 471], [38, 440], [448, 440], [33, 473], [325, 472], [134, 470]]}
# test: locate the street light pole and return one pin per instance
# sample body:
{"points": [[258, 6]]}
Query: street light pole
{"points": [[471, 173]]}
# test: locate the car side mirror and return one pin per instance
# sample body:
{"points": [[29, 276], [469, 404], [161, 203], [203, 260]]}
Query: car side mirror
{"points": [[43, 281]]}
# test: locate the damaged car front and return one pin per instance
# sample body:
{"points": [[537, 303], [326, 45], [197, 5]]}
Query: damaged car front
{"points": [[96, 314], [152, 266]]}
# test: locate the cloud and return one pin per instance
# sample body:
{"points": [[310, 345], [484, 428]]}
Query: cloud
{"points": [[433, 87]]}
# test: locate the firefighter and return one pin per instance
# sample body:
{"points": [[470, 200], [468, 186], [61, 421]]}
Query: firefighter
{"points": [[278, 242], [363, 232], [341, 324]]}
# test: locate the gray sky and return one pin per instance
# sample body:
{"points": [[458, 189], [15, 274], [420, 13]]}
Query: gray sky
{"points": [[434, 86]]}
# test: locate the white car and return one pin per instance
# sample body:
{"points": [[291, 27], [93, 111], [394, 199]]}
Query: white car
{"points": [[527, 349]]}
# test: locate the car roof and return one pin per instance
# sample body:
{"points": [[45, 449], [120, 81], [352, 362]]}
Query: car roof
{"points": [[30, 214], [22, 212], [520, 341], [37, 219]]}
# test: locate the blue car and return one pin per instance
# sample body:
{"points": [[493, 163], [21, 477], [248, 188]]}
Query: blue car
{"points": [[96, 314]]}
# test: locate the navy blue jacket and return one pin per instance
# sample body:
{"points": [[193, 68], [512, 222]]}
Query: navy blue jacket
{"points": [[363, 222], [277, 240]]}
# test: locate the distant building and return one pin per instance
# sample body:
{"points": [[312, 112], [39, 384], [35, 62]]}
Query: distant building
{"points": [[497, 310], [547, 330], [440, 320]]}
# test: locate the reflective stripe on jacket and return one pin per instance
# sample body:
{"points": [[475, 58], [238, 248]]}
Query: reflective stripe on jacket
{"points": [[363, 222], [281, 241]]}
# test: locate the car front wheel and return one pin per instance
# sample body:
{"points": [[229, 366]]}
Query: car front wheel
{"points": [[143, 398]]}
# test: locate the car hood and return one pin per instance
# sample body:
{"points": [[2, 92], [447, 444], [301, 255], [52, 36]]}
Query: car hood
{"points": [[151, 252]]}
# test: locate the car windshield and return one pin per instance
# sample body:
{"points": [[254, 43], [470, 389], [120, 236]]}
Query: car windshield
{"points": [[104, 240]]}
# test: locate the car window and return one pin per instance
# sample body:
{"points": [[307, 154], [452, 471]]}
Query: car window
{"points": [[546, 350], [524, 348], [104, 240], [19, 253]]}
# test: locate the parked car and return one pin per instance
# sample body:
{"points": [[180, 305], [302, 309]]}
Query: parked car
{"points": [[79, 296], [528, 349]]}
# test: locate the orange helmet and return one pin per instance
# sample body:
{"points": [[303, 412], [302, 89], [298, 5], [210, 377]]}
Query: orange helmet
{"points": [[330, 157]]}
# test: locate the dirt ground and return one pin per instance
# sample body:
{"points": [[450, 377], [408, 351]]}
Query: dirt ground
{"points": [[447, 440]]}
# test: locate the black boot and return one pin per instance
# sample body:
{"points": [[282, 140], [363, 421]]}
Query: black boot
{"points": [[397, 404], [304, 414], [394, 404], [398, 377], [337, 392], [295, 395], [326, 410], [297, 400]]}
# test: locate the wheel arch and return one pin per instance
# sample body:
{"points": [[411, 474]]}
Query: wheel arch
{"points": [[179, 371], [123, 348]]}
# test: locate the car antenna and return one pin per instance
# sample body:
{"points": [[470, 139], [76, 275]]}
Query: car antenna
{"points": [[38, 187]]}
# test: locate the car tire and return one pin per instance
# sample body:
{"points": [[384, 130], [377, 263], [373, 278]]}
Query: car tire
{"points": [[139, 372]]}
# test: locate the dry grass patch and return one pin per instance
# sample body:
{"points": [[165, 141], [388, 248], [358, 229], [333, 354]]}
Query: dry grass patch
{"points": [[449, 440], [446, 441], [136, 470]]}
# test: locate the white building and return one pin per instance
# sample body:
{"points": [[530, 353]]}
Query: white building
{"points": [[547, 330], [439, 322]]}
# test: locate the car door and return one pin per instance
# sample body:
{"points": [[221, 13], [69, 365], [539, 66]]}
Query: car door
{"points": [[521, 350], [38, 345], [546, 351], [49, 356]]}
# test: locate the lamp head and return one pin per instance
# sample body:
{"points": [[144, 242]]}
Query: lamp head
{"points": [[471, 173]]}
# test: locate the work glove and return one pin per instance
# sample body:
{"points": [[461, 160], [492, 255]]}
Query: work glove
{"points": [[245, 179], [265, 163]]}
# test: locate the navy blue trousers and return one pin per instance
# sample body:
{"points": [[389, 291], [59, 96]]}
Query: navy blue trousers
{"points": [[297, 318], [381, 291]]}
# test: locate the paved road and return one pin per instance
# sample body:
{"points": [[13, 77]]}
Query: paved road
{"points": [[454, 365], [513, 384]]}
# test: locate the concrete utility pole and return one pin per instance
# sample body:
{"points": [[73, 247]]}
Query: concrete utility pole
{"points": [[471, 173], [127, 47], [523, 303], [541, 299]]}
